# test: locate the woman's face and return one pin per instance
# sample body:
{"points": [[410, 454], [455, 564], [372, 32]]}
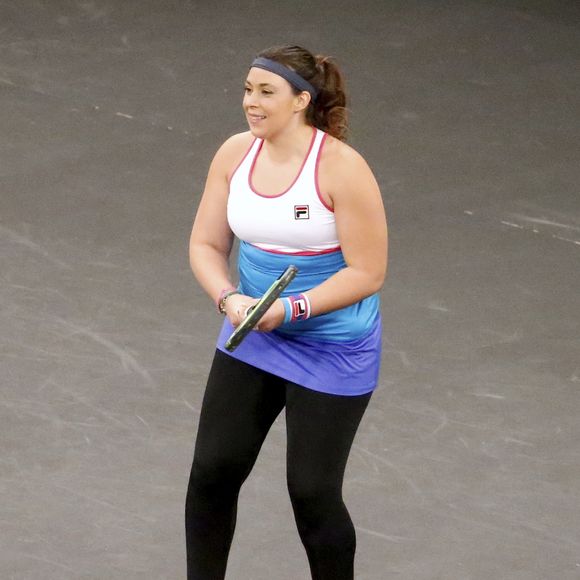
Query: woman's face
{"points": [[269, 102]]}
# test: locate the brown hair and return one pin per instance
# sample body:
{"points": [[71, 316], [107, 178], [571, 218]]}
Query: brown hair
{"points": [[328, 112]]}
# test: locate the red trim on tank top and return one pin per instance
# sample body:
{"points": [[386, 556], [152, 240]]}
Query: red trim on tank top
{"points": [[295, 179], [302, 253], [316, 175], [243, 159]]}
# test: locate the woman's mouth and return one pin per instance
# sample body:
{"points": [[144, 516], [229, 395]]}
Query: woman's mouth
{"points": [[255, 118]]}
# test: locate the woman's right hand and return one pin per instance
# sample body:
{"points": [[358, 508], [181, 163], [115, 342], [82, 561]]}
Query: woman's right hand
{"points": [[236, 307]]}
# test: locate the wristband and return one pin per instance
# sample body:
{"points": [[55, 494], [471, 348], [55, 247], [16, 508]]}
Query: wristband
{"points": [[224, 295], [296, 308]]}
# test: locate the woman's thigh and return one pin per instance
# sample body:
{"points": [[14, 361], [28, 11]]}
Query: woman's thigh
{"points": [[320, 431], [239, 406]]}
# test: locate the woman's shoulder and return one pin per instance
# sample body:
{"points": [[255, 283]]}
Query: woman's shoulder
{"points": [[339, 159], [236, 144], [232, 151], [337, 153]]}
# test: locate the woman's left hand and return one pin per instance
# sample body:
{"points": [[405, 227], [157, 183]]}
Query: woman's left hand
{"points": [[273, 318]]}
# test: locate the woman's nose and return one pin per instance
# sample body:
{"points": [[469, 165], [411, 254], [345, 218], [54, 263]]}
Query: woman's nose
{"points": [[250, 99]]}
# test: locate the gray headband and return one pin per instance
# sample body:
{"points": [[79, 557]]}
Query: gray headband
{"points": [[292, 77]]}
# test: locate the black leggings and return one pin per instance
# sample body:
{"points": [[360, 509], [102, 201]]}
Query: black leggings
{"points": [[240, 404]]}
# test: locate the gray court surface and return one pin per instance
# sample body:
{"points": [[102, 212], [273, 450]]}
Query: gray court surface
{"points": [[467, 464]]}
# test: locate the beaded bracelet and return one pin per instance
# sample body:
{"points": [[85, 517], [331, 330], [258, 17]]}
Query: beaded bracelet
{"points": [[224, 295], [296, 308]]}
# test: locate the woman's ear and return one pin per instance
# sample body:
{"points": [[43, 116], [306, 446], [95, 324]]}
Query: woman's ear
{"points": [[302, 101]]}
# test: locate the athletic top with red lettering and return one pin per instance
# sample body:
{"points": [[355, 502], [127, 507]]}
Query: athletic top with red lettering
{"points": [[337, 352]]}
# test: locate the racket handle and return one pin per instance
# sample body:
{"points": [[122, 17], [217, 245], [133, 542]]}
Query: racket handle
{"points": [[255, 312]]}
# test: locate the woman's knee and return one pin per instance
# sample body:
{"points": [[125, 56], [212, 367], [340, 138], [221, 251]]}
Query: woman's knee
{"points": [[313, 495], [214, 479]]}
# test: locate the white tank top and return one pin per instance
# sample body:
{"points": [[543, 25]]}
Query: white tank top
{"points": [[296, 221]]}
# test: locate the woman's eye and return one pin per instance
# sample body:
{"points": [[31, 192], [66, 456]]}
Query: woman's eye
{"points": [[264, 92]]}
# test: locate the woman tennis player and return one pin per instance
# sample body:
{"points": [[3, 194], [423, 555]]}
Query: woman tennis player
{"points": [[293, 193]]}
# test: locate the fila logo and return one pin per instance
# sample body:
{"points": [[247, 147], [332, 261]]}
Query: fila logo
{"points": [[299, 308], [301, 212]]}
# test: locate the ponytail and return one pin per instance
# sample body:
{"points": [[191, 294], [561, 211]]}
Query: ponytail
{"points": [[329, 111]]}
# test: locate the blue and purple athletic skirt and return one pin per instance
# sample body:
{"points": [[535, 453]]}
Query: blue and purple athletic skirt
{"points": [[338, 352]]}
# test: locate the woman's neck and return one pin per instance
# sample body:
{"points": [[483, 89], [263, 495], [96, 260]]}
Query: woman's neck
{"points": [[289, 143]]}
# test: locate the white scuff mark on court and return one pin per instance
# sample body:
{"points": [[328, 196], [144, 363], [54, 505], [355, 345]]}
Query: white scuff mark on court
{"points": [[146, 425], [512, 225], [503, 337], [389, 538], [489, 395], [47, 353], [518, 441], [6, 82], [184, 368], [386, 462], [438, 307], [130, 484], [444, 422], [190, 406], [124, 115], [90, 405], [174, 337], [369, 463], [10, 407], [432, 415], [545, 222], [438, 459], [566, 239], [468, 212], [513, 530], [128, 361], [24, 480], [117, 527], [92, 11], [481, 82], [104, 264], [51, 562], [100, 502], [403, 356], [36, 248], [40, 290], [30, 412]]}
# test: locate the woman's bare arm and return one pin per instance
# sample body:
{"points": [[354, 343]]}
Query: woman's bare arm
{"points": [[211, 238], [362, 233]]}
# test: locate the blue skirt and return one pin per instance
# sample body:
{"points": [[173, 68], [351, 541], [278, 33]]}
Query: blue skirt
{"points": [[338, 352]]}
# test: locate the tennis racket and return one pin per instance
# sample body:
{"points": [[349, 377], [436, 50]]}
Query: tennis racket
{"points": [[259, 309]]}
